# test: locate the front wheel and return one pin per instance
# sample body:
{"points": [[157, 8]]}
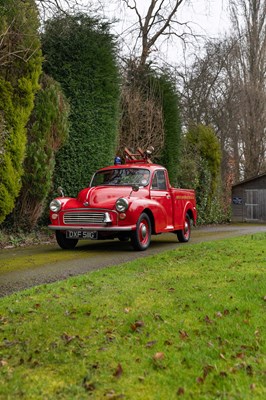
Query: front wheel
{"points": [[183, 235], [141, 237], [64, 243]]}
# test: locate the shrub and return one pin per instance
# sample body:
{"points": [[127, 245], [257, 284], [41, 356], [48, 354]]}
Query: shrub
{"points": [[20, 70], [48, 129], [81, 55]]}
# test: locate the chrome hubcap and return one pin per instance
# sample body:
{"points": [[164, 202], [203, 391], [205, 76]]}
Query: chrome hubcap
{"points": [[143, 231]]}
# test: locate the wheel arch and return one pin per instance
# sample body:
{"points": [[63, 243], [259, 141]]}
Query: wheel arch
{"points": [[151, 216], [189, 211]]}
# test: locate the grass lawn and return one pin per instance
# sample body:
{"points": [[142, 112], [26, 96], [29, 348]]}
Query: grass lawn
{"points": [[189, 323]]}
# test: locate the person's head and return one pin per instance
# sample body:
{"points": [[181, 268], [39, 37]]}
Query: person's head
{"points": [[145, 177], [117, 161]]}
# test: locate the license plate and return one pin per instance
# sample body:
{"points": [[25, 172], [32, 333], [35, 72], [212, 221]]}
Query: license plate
{"points": [[81, 235]]}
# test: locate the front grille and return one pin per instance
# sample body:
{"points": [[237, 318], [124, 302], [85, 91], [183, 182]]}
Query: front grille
{"points": [[83, 218]]}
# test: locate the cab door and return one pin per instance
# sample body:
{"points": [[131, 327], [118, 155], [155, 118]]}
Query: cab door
{"points": [[160, 194]]}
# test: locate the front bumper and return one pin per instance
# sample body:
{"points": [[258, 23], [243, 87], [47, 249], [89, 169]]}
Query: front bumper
{"points": [[93, 228]]}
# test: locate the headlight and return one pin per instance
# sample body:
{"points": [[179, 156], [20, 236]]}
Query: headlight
{"points": [[55, 205], [121, 205]]}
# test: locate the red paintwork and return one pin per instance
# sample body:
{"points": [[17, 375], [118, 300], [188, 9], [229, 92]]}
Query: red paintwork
{"points": [[167, 209]]}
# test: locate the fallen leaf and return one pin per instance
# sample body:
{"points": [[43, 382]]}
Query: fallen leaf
{"points": [[206, 370], [118, 372], [252, 386], [180, 391], [87, 313], [89, 386], [219, 314], [103, 349], [126, 310], [183, 335], [3, 320], [151, 343], [249, 370], [67, 338], [208, 320], [223, 374], [137, 325], [222, 356], [200, 380], [240, 355], [110, 336], [3, 363], [111, 394], [10, 343], [158, 356], [158, 317]]}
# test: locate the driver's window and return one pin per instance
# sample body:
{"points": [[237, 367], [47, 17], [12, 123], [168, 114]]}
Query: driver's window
{"points": [[159, 182]]}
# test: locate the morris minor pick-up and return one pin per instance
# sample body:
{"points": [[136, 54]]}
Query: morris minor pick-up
{"points": [[129, 201]]}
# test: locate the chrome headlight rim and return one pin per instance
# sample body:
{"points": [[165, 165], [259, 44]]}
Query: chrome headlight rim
{"points": [[55, 205], [121, 204]]}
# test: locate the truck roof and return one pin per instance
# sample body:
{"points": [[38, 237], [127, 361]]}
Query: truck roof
{"points": [[139, 164]]}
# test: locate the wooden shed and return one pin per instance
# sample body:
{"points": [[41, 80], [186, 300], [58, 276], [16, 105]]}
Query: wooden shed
{"points": [[249, 200]]}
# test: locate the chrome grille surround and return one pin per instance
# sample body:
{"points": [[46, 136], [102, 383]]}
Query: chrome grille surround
{"points": [[84, 218]]}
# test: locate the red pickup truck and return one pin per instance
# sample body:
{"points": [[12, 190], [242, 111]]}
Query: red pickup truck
{"points": [[126, 201]]}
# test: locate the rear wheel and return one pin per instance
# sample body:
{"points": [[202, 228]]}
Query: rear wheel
{"points": [[141, 237], [183, 235], [64, 243]]}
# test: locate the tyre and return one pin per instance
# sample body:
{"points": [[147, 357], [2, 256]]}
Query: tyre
{"points": [[183, 235], [65, 243], [141, 237]]}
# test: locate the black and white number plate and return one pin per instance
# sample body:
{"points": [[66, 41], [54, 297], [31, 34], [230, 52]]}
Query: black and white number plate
{"points": [[81, 235]]}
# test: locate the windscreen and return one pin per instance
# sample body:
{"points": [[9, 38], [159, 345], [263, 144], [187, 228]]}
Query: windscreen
{"points": [[122, 177]]}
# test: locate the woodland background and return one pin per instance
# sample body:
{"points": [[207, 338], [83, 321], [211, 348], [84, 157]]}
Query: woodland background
{"points": [[70, 100]]}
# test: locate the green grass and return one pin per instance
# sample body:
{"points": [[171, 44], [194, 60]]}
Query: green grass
{"points": [[187, 324]]}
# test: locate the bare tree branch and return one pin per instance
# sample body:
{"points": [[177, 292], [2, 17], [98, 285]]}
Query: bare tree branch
{"points": [[158, 21]]}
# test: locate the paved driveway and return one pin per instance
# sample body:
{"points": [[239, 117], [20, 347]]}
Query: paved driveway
{"points": [[21, 268]]}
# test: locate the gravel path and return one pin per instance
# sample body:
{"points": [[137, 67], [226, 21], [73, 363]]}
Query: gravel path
{"points": [[21, 268]]}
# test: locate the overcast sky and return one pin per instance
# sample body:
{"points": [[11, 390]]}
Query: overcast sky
{"points": [[207, 18]]}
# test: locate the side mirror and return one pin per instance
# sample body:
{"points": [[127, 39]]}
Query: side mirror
{"points": [[135, 188], [61, 191]]}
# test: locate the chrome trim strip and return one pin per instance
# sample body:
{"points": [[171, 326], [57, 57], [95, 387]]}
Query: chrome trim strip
{"points": [[89, 209], [92, 228]]}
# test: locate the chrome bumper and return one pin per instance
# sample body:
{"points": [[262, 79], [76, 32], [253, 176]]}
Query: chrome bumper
{"points": [[93, 228]]}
